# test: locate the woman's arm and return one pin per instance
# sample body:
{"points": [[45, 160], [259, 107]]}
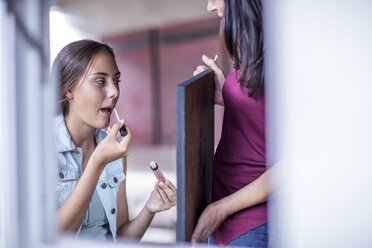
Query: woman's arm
{"points": [[72, 212], [135, 228], [254, 193], [163, 197]]}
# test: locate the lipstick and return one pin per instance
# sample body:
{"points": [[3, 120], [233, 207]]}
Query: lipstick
{"points": [[123, 130], [155, 168]]}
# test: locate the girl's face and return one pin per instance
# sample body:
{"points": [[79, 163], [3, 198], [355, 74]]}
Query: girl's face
{"points": [[94, 97], [216, 5]]}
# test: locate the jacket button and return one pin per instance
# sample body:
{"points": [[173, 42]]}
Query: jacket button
{"points": [[113, 211], [115, 180], [103, 185], [61, 175]]}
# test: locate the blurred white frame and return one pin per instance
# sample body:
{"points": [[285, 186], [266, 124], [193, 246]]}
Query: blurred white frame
{"points": [[27, 106], [319, 91]]}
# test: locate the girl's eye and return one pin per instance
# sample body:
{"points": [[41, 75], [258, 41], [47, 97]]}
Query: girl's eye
{"points": [[100, 81], [117, 81]]}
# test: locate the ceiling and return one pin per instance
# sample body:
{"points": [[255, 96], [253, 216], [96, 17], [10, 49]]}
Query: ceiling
{"points": [[98, 18]]}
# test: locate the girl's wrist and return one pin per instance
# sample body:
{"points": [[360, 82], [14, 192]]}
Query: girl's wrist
{"points": [[97, 161], [148, 210], [218, 98], [222, 207]]}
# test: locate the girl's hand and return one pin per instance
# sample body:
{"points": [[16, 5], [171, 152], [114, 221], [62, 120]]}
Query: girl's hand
{"points": [[163, 197], [113, 146], [219, 77], [209, 221]]}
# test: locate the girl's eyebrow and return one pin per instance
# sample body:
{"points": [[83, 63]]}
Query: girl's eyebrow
{"points": [[105, 74]]}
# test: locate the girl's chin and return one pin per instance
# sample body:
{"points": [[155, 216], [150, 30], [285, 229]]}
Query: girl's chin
{"points": [[103, 124]]}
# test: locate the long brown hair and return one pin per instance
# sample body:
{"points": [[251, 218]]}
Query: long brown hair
{"points": [[72, 62], [243, 30]]}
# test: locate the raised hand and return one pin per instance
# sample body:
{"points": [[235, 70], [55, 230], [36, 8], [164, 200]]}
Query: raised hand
{"points": [[113, 147], [219, 76], [163, 197]]}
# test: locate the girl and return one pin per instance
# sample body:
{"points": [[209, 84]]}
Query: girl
{"points": [[238, 215], [91, 190]]}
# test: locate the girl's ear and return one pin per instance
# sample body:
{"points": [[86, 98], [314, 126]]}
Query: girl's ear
{"points": [[70, 95]]}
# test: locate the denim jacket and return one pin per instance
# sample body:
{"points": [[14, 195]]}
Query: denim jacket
{"points": [[69, 170]]}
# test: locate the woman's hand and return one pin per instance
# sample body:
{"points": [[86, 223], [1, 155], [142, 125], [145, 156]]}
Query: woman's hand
{"points": [[163, 197], [113, 146], [219, 77], [209, 221]]}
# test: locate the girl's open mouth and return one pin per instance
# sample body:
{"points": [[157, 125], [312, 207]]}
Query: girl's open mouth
{"points": [[106, 111]]}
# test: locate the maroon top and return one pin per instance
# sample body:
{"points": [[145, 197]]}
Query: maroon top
{"points": [[240, 157]]}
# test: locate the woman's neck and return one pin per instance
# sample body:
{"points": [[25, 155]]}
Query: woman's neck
{"points": [[81, 134]]}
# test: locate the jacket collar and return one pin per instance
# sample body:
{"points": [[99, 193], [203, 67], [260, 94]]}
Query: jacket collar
{"points": [[63, 141]]}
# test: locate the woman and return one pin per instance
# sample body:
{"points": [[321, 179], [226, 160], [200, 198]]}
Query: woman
{"points": [[238, 214], [91, 190]]}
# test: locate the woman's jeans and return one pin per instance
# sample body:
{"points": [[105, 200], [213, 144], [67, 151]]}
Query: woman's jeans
{"points": [[255, 238]]}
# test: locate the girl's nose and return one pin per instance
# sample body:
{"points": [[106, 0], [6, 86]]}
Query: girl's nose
{"points": [[112, 90]]}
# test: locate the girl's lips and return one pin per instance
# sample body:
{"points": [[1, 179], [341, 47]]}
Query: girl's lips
{"points": [[106, 111]]}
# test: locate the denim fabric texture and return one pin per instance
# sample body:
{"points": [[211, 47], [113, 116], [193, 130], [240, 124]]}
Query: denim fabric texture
{"points": [[69, 170], [257, 237]]}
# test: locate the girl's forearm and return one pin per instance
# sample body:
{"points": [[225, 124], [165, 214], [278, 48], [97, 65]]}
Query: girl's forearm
{"points": [[218, 99], [72, 212], [254, 193], [138, 226]]}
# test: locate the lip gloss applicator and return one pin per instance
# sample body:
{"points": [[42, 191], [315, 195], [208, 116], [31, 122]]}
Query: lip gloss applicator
{"points": [[123, 130], [155, 168]]}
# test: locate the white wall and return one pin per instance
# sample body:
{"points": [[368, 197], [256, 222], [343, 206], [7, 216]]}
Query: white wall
{"points": [[321, 83]]}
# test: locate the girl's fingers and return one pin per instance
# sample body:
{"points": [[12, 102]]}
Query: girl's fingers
{"points": [[115, 128], [171, 195], [164, 196], [127, 137], [171, 186], [125, 141], [158, 196]]}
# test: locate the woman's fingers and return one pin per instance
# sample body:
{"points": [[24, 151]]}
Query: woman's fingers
{"points": [[204, 227], [200, 69], [195, 238], [211, 63]]}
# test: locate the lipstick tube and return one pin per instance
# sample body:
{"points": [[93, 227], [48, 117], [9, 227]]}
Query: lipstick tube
{"points": [[123, 130], [155, 169]]}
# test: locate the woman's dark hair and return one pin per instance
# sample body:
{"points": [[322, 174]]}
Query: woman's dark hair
{"points": [[244, 41], [72, 62]]}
